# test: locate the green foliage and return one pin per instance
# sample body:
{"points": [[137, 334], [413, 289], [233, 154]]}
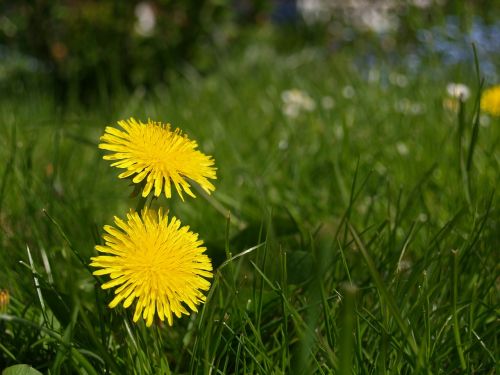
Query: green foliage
{"points": [[97, 46], [345, 240]]}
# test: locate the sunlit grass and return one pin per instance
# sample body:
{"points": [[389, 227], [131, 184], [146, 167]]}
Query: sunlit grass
{"points": [[358, 235]]}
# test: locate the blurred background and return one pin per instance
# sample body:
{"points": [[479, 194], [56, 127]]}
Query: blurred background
{"points": [[88, 50]]}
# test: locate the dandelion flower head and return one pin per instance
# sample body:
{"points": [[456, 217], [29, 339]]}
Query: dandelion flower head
{"points": [[155, 261], [4, 300], [458, 91], [155, 156], [490, 100]]}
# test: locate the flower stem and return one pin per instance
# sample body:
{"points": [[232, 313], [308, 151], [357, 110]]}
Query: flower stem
{"points": [[141, 203]]}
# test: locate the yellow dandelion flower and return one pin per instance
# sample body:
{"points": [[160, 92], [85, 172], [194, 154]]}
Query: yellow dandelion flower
{"points": [[490, 100], [4, 300], [156, 156], [155, 261]]}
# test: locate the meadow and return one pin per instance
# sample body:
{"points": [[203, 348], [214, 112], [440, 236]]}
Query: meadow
{"points": [[353, 229]]}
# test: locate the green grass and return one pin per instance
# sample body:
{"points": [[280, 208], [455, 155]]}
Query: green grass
{"points": [[361, 238]]}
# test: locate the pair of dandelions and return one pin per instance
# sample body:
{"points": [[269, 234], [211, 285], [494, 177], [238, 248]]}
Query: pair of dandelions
{"points": [[153, 260]]}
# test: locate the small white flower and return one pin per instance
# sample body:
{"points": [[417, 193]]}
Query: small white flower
{"points": [[402, 105], [404, 265], [327, 102], [374, 75], [417, 108], [379, 20], [484, 121], [408, 107], [422, 4], [339, 132], [313, 10], [296, 101], [308, 104], [283, 144], [458, 91], [422, 217], [291, 111], [348, 92], [402, 149], [380, 168], [146, 19], [399, 80]]}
